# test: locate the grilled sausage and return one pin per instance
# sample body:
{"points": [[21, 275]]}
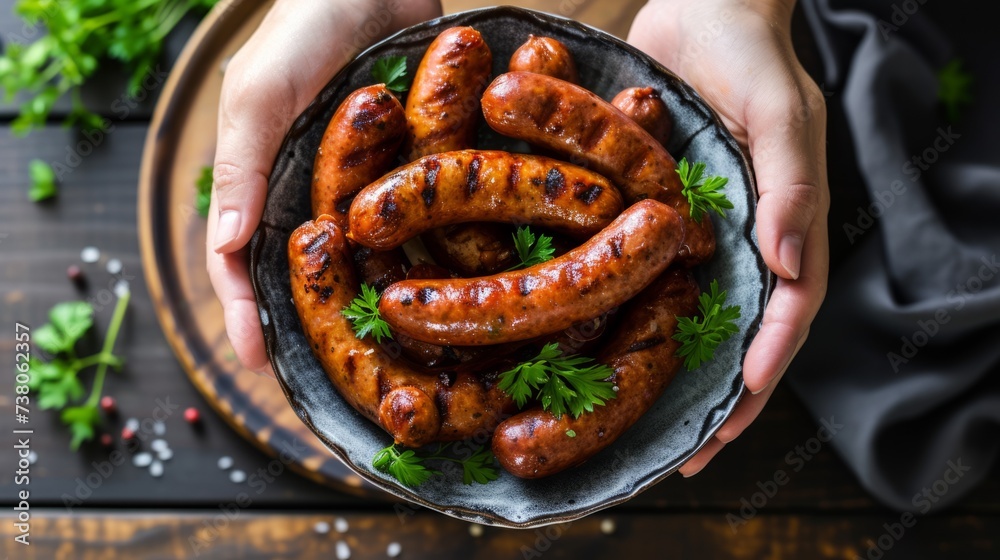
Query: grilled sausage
{"points": [[443, 104], [472, 249], [473, 186], [569, 119], [544, 55], [360, 142], [597, 276], [533, 444], [415, 408], [645, 106]]}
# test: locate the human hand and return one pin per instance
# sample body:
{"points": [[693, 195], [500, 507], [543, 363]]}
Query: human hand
{"points": [[738, 55], [296, 50]]}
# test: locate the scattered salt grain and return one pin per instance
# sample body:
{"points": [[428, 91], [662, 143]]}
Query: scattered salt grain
{"points": [[156, 469], [114, 266], [343, 551], [32, 457], [159, 445], [237, 476], [121, 288], [159, 428], [321, 527], [142, 459], [225, 463], [132, 424], [340, 525], [165, 455], [394, 549], [90, 254]]}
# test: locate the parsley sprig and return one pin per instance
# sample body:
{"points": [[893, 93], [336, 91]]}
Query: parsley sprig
{"points": [[43, 181], [203, 196], [391, 71], [704, 193], [57, 381], [701, 336], [573, 383], [81, 35], [363, 312], [408, 467], [530, 250]]}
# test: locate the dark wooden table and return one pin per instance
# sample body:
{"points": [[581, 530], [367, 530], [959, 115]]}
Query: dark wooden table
{"points": [[82, 509]]}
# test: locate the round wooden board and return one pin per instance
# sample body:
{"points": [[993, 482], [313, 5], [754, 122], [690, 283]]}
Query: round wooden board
{"points": [[180, 142]]}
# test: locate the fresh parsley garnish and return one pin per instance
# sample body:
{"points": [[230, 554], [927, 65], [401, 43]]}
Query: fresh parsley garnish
{"points": [[703, 193], [701, 336], [81, 35], [363, 312], [391, 71], [570, 433], [408, 467], [43, 181], [532, 251], [57, 381], [562, 384], [203, 198], [954, 88]]}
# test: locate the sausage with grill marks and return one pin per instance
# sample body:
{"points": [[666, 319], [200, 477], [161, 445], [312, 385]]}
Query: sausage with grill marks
{"points": [[602, 273], [415, 408], [566, 118], [645, 106], [544, 55], [533, 443]]}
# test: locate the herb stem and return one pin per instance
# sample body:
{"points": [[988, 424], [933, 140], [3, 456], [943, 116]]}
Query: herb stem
{"points": [[109, 345]]}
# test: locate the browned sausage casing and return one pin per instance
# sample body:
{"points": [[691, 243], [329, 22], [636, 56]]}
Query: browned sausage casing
{"points": [[644, 106], [414, 408], [442, 108], [544, 55], [476, 249], [359, 144], [600, 274], [533, 444], [476, 186], [571, 120]]}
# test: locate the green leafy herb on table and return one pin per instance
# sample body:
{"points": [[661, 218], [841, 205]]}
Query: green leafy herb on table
{"points": [[703, 193], [701, 336], [531, 251], [57, 382], [203, 198], [391, 71], [363, 312], [43, 181], [407, 466], [573, 384], [954, 88], [81, 35]]}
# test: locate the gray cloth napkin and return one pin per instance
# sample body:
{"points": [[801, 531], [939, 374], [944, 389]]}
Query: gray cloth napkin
{"points": [[906, 350]]}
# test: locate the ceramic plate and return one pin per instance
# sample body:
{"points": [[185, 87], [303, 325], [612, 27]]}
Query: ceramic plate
{"points": [[682, 421]]}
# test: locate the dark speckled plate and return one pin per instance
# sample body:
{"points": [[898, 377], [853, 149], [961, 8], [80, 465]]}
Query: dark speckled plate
{"points": [[692, 408]]}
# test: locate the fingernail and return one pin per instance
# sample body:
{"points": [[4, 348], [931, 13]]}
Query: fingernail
{"points": [[790, 254], [227, 228]]}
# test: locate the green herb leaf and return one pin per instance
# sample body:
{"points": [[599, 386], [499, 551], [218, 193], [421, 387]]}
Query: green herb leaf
{"points": [[363, 312], [573, 384], [703, 193], [700, 337], [479, 467], [530, 250], [81, 421], [203, 198], [408, 466], [72, 319], [43, 181], [391, 71], [954, 88], [82, 34], [570, 433]]}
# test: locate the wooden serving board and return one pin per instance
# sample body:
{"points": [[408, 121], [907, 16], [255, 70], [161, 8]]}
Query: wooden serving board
{"points": [[181, 141]]}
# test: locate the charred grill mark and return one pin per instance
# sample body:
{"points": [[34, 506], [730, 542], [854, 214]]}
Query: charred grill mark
{"points": [[532, 425], [472, 180], [595, 133], [588, 194], [384, 384], [546, 108], [426, 295], [442, 400], [369, 113], [406, 300], [317, 243], [350, 368], [526, 285], [344, 205], [513, 175], [431, 168], [555, 183], [616, 246], [324, 265], [388, 207], [325, 293], [445, 93], [645, 344], [363, 154]]}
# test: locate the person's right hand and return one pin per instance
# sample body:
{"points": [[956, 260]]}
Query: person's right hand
{"points": [[296, 50]]}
